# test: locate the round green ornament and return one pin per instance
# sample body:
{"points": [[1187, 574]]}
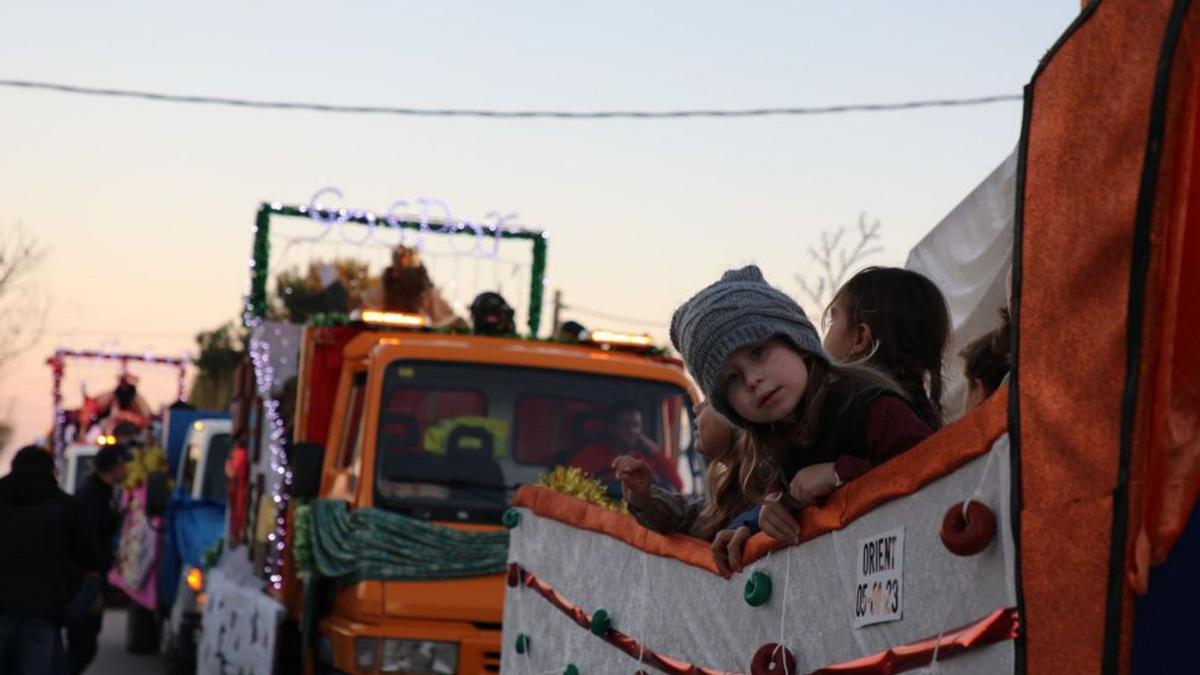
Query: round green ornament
{"points": [[758, 589], [572, 669], [601, 622], [522, 643], [512, 518]]}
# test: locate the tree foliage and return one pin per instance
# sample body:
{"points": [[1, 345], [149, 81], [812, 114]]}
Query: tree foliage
{"points": [[332, 287], [220, 352]]}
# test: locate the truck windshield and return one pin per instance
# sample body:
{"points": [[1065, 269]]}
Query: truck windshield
{"points": [[454, 440], [213, 486]]}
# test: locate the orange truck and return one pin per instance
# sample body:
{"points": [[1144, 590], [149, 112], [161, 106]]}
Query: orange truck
{"points": [[373, 538]]}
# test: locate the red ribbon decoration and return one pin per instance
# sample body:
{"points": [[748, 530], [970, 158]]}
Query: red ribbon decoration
{"points": [[1003, 624]]}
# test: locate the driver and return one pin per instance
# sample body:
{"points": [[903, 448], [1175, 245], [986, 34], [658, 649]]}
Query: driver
{"points": [[625, 437]]}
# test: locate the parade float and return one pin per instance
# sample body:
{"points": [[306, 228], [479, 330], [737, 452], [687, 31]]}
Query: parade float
{"points": [[1052, 529], [379, 449]]}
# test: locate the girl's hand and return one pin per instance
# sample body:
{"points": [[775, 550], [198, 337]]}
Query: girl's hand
{"points": [[635, 477], [812, 483], [779, 522], [727, 550]]}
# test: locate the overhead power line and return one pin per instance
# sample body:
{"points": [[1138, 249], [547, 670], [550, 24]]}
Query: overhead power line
{"points": [[505, 114], [615, 317]]}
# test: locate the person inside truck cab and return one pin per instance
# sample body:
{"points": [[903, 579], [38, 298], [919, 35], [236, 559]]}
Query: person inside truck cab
{"points": [[624, 436]]}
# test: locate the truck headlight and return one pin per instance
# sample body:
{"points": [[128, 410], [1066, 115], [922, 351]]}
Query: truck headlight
{"points": [[366, 650], [419, 657]]}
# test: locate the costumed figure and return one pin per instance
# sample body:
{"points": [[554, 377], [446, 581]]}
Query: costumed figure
{"points": [[123, 404], [408, 288]]}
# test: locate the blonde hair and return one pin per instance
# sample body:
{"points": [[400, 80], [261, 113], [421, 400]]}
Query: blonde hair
{"points": [[724, 497]]}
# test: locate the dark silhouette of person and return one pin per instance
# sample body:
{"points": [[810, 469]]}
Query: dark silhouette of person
{"points": [[47, 543]]}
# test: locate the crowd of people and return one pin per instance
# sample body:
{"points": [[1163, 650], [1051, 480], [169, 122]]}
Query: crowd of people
{"points": [[57, 556], [788, 417]]}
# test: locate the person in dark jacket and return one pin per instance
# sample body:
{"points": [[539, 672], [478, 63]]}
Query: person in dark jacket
{"points": [[44, 533], [97, 496]]}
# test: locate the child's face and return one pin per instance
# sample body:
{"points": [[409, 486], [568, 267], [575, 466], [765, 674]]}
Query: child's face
{"points": [[714, 433], [764, 382], [974, 395], [843, 340]]}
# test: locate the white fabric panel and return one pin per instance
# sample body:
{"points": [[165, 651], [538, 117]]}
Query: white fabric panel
{"points": [[688, 613], [968, 255]]}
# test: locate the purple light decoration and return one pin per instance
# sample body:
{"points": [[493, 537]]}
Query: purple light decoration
{"points": [[57, 363], [264, 378]]}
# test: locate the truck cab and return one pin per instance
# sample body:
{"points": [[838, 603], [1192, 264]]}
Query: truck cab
{"points": [[76, 466], [443, 428], [194, 521]]}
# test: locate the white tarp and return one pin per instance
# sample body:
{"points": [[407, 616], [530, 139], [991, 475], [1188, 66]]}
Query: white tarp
{"points": [[968, 255], [688, 613]]}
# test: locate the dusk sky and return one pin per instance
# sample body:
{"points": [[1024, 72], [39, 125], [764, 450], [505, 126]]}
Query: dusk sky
{"points": [[145, 208]]}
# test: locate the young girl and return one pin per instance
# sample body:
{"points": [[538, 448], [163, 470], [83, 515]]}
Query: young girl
{"points": [[663, 511], [985, 361], [896, 320], [810, 425]]}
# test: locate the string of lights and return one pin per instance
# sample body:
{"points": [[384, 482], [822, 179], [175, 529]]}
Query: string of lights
{"points": [[507, 114]]}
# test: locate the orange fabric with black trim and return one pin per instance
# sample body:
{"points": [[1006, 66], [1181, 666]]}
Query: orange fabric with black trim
{"points": [[1084, 163], [937, 456]]}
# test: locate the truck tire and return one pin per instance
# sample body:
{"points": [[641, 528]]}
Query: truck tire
{"points": [[141, 630], [178, 661]]}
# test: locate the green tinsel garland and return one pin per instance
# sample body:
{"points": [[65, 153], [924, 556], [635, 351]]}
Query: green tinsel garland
{"points": [[256, 304]]}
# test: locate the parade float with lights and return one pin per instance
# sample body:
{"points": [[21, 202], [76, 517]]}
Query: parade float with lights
{"points": [[379, 446], [1020, 538]]}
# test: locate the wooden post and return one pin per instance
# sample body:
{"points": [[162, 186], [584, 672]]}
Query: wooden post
{"points": [[555, 323]]}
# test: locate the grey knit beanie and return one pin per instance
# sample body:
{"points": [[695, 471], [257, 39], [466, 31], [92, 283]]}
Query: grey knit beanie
{"points": [[740, 309]]}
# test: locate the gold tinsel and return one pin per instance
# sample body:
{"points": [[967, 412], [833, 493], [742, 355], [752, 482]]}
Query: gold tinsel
{"points": [[144, 461], [574, 482]]}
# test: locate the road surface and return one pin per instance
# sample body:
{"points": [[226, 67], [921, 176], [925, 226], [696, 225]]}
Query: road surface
{"points": [[112, 658]]}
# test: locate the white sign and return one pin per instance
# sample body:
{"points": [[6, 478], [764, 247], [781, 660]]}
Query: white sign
{"points": [[879, 593], [240, 626]]}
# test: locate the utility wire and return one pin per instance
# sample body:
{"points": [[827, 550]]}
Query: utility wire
{"points": [[613, 317], [504, 114]]}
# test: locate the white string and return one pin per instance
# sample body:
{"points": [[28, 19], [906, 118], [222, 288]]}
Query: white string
{"points": [[937, 645], [787, 581], [642, 610], [975, 496]]}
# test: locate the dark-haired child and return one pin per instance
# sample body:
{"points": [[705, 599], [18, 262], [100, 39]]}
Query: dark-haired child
{"points": [[986, 364], [896, 320]]}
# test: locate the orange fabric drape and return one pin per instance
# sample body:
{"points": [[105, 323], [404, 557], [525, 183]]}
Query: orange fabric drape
{"points": [[1099, 214]]}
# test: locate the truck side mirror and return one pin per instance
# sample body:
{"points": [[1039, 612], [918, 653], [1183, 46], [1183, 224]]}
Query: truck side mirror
{"points": [[158, 493], [305, 461]]}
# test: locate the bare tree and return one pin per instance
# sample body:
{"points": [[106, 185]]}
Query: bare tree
{"points": [[22, 307], [836, 257]]}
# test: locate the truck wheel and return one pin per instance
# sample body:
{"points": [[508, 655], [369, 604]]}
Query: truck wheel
{"points": [[179, 661], [141, 630]]}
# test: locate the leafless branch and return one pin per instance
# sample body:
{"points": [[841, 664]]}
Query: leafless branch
{"points": [[23, 309], [835, 259]]}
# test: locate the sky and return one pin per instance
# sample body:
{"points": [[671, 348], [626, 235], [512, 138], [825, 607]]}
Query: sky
{"points": [[144, 209]]}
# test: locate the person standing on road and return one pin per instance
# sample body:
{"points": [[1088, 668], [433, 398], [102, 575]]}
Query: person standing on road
{"points": [[44, 533], [98, 498]]}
